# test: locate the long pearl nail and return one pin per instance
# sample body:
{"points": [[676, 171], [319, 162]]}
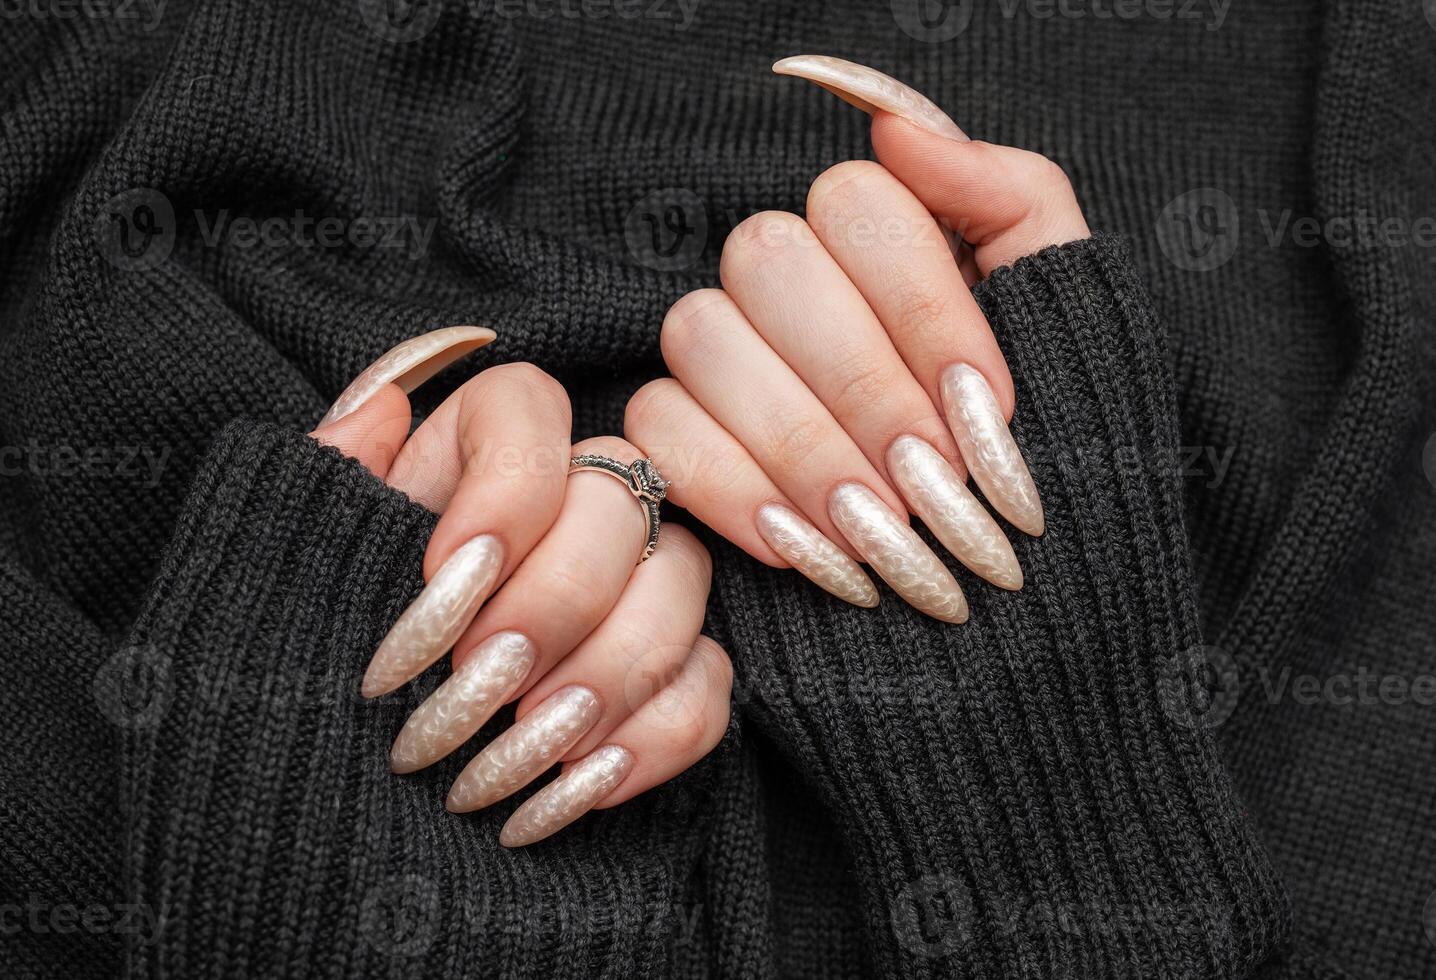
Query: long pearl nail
{"points": [[896, 552], [989, 449], [435, 620], [510, 761], [806, 549], [568, 797], [870, 90], [449, 717], [409, 365], [938, 495]]}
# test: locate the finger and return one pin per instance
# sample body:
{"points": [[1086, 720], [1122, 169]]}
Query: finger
{"points": [[563, 589], [718, 482], [748, 390], [511, 424], [374, 432], [803, 304], [648, 634], [1008, 202], [713, 350], [666, 736], [917, 292]]}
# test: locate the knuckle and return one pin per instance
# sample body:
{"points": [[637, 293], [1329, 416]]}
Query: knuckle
{"points": [[529, 382], [610, 446], [760, 238], [569, 586], [647, 406], [690, 322], [717, 664], [791, 440], [692, 561], [865, 386], [843, 188]]}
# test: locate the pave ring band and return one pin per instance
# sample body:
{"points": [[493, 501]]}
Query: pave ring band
{"points": [[642, 480]]}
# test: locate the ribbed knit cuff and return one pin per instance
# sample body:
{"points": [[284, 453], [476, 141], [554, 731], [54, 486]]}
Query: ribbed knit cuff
{"points": [[1030, 793], [266, 833]]}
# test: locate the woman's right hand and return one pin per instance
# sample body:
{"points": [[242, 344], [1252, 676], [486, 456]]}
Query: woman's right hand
{"points": [[535, 583], [845, 375]]}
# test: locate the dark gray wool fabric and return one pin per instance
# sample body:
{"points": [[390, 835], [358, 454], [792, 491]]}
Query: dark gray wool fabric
{"points": [[1197, 744]]}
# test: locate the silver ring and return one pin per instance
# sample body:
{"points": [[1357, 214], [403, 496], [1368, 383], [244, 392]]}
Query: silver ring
{"points": [[642, 480]]}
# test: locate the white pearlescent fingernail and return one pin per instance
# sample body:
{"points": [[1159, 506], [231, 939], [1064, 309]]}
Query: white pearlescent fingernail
{"points": [[806, 549], [870, 90], [896, 553], [435, 620], [462, 704], [988, 449], [568, 797], [512, 760], [938, 495], [409, 365]]}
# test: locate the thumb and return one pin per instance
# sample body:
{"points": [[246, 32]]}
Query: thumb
{"points": [[374, 432], [1005, 201]]}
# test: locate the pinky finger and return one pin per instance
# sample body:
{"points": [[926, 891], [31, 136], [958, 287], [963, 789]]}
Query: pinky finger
{"points": [[668, 733]]}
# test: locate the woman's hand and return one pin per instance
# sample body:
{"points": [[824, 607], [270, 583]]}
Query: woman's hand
{"points": [[534, 582], [845, 375]]}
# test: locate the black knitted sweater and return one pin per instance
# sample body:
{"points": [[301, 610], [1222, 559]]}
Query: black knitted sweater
{"points": [[1197, 744]]}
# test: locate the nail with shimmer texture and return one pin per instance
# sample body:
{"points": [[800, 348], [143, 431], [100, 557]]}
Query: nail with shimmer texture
{"points": [[870, 90], [988, 449], [806, 549], [568, 797], [462, 704], [511, 761], [409, 365], [896, 553], [939, 496], [435, 620]]}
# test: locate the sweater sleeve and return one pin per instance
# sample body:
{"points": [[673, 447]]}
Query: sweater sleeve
{"points": [[1037, 792], [264, 827]]}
